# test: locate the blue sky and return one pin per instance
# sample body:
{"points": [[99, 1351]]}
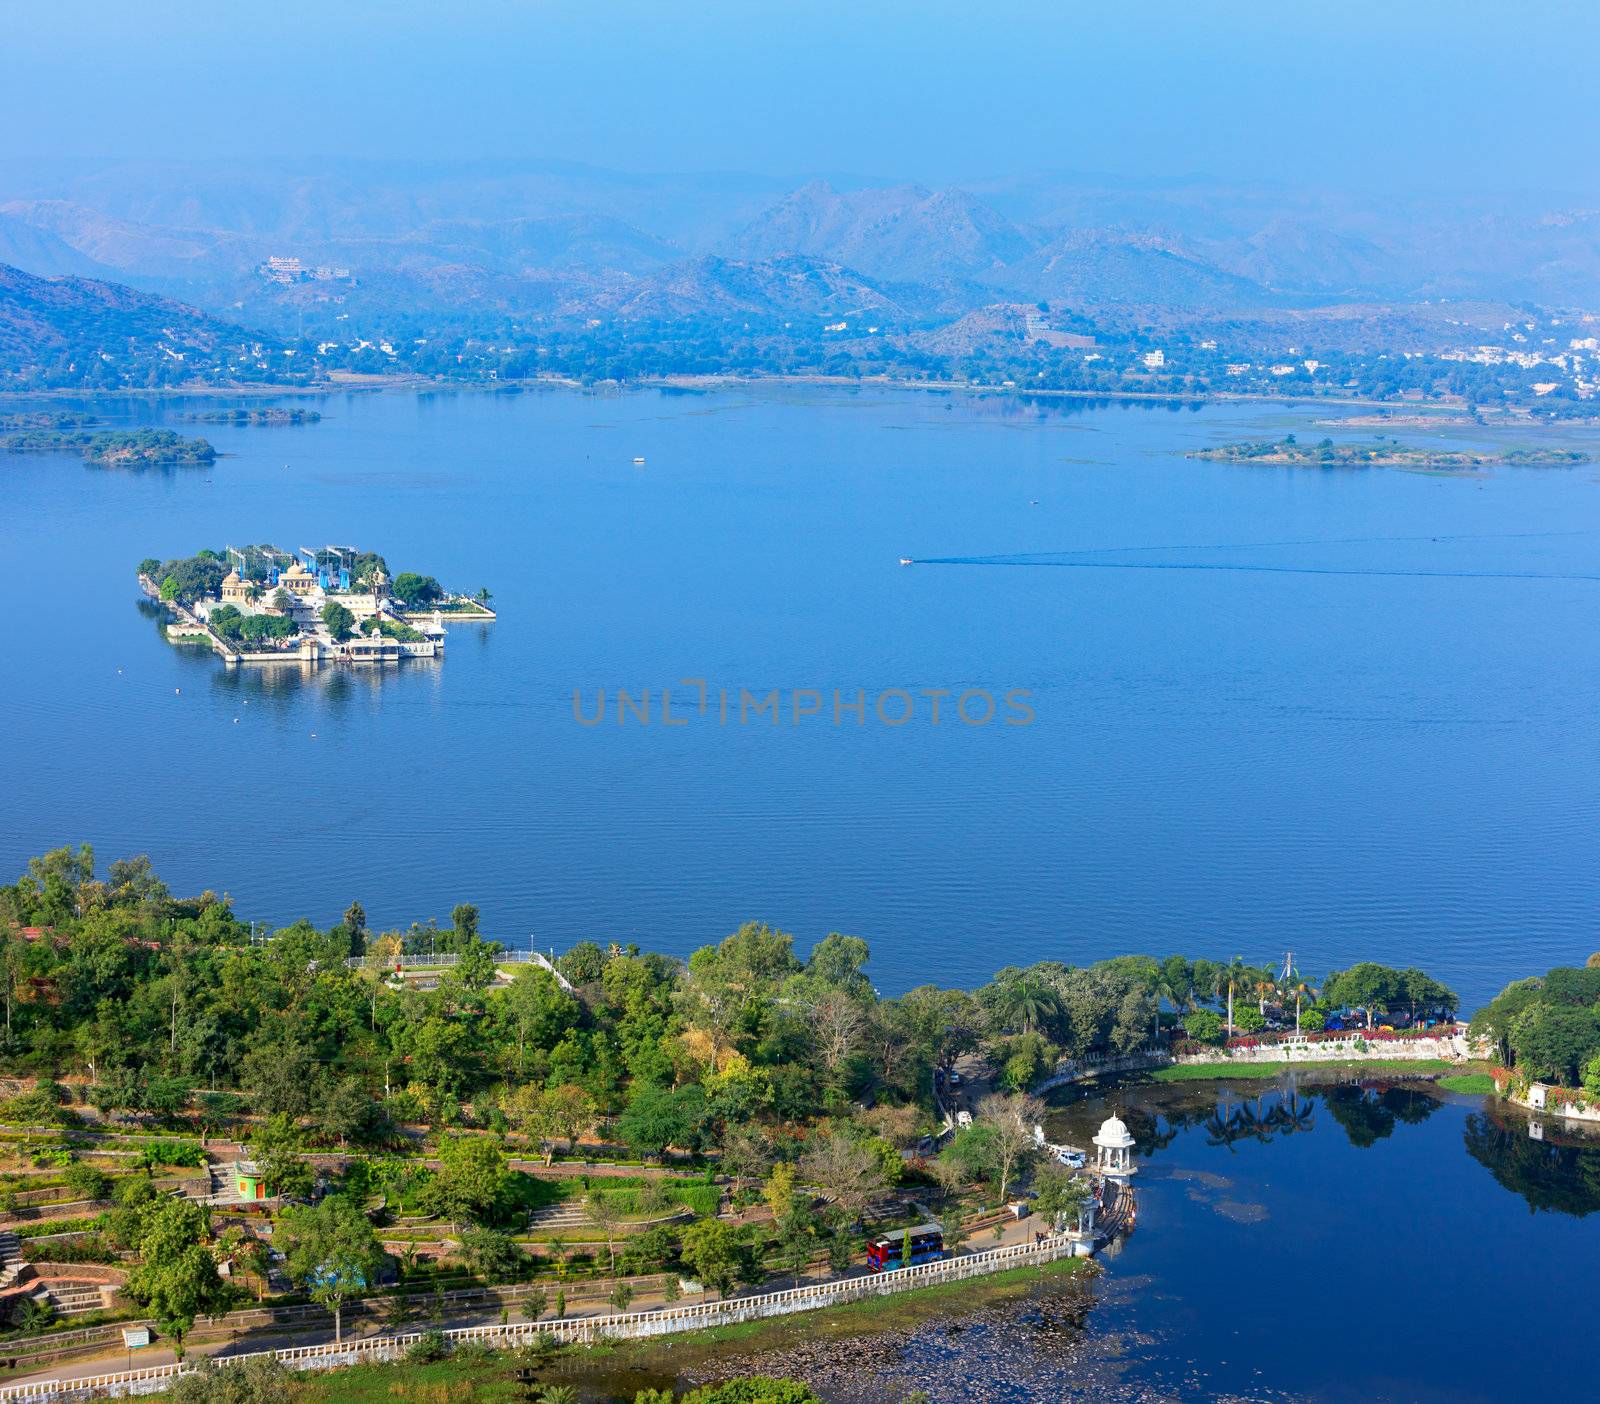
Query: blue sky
{"points": [[1355, 95]]}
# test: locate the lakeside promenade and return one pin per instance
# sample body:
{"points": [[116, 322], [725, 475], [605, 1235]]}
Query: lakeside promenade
{"points": [[89, 1379]]}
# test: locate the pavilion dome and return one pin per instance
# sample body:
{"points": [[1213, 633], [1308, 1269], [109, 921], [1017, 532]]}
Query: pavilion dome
{"points": [[1113, 1132]]}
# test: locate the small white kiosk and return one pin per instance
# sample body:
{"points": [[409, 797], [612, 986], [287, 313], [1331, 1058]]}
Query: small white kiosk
{"points": [[1114, 1149]]}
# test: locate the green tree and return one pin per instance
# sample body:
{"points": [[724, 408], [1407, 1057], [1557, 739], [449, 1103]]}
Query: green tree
{"points": [[1366, 985], [840, 961], [539, 1012], [492, 1255], [176, 1279], [331, 1251], [1060, 1192], [1552, 1042], [347, 1112], [658, 1117], [280, 1077], [338, 620], [604, 1216], [470, 1180], [715, 1253], [547, 1115], [88, 1182], [416, 591], [1228, 979], [275, 1147], [1010, 1121]]}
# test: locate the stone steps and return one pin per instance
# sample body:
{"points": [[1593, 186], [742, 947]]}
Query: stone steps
{"points": [[560, 1216], [12, 1263]]}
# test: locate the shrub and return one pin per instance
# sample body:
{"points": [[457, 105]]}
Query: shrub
{"points": [[428, 1347], [1249, 1020], [261, 1380], [87, 1181]]}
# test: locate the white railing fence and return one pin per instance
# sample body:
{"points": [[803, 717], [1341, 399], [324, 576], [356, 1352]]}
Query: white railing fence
{"points": [[579, 1330]]}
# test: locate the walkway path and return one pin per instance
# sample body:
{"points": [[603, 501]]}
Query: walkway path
{"points": [[1014, 1235]]}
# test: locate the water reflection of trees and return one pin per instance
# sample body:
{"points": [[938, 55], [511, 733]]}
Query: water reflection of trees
{"points": [[1562, 1179], [1228, 1115], [1261, 1118], [1369, 1114]]}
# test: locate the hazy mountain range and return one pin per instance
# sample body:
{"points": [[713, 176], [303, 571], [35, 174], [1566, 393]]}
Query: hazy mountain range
{"points": [[42, 319], [554, 240]]}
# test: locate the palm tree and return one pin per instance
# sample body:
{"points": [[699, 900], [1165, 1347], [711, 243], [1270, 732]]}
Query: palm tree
{"points": [[1299, 988], [1229, 976], [1178, 994], [1265, 985], [1028, 1003]]}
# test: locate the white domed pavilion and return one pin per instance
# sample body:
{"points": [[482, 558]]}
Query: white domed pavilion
{"points": [[1114, 1149]]}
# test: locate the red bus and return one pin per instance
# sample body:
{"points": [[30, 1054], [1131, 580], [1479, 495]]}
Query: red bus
{"points": [[889, 1250]]}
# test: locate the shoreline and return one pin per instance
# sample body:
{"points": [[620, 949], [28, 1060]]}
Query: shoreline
{"points": [[692, 1358], [1222, 1070], [1450, 412]]}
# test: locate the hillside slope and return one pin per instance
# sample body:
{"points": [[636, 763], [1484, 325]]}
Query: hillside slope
{"points": [[67, 326]]}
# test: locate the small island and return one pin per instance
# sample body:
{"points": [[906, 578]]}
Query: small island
{"points": [[270, 415], [334, 604], [45, 419], [114, 448], [1385, 453]]}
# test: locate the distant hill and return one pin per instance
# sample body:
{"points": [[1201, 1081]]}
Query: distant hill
{"points": [[904, 232], [1094, 268], [25, 245], [198, 230], [538, 244], [769, 288], [125, 248], [80, 330]]}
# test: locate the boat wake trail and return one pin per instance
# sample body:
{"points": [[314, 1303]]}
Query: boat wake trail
{"points": [[1242, 566], [1095, 558]]}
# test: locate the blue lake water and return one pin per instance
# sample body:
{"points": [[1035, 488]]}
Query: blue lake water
{"points": [[1347, 1241], [1297, 1240], [1376, 740]]}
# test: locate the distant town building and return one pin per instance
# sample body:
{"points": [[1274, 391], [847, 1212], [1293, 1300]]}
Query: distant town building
{"points": [[235, 590], [297, 580]]}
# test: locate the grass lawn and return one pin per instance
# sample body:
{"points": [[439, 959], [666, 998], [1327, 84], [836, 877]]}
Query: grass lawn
{"points": [[483, 1382], [1228, 1068], [1473, 1084], [491, 1382]]}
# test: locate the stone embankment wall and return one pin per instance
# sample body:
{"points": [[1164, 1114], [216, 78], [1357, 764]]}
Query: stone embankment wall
{"points": [[1354, 1049], [1070, 1070], [1541, 1100], [583, 1330], [1452, 1048]]}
